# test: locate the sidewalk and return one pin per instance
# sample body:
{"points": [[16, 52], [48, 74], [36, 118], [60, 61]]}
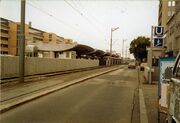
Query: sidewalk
{"points": [[150, 93], [21, 93]]}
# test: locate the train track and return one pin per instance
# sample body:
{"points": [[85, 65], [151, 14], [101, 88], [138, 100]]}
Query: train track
{"points": [[37, 77]]}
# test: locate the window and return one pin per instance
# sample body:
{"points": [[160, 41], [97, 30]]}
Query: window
{"points": [[4, 38], [173, 12], [4, 31], [50, 35], [3, 52], [67, 54], [169, 3], [4, 45], [173, 3], [169, 13]]}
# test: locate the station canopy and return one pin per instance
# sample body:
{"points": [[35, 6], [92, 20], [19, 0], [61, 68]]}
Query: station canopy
{"points": [[80, 49]]}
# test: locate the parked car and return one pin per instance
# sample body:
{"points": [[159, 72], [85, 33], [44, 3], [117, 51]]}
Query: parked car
{"points": [[174, 109], [132, 65]]}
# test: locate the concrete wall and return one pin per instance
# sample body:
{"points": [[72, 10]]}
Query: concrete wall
{"points": [[10, 65], [155, 73]]}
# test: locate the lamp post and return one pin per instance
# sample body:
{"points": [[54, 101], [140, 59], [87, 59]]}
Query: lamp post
{"points": [[112, 29], [124, 40]]}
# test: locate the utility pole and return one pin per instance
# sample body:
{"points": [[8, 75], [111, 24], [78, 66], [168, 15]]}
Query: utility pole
{"points": [[112, 29], [22, 42], [111, 43], [123, 47], [126, 51]]}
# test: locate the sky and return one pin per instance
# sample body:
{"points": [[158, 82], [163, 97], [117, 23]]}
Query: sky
{"points": [[89, 22]]}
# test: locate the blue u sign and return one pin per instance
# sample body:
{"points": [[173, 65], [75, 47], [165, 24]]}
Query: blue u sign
{"points": [[159, 31], [158, 42]]}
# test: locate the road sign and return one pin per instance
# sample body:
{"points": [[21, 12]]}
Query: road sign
{"points": [[159, 31], [158, 42]]}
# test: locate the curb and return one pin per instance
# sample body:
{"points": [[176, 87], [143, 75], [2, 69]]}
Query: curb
{"points": [[143, 112], [6, 107]]}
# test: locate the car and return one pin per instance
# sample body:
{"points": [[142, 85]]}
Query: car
{"points": [[132, 65]]}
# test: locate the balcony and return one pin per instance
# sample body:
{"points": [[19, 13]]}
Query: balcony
{"points": [[3, 42], [4, 35], [4, 27], [3, 49]]}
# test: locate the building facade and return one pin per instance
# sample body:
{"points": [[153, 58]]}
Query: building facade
{"points": [[169, 19], [166, 11], [10, 36], [173, 31], [8, 44]]}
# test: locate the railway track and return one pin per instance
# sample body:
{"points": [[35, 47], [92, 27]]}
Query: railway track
{"points": [[37, 77]]}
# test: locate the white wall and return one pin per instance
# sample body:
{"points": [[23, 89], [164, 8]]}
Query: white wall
{"points": [[10, 65]]}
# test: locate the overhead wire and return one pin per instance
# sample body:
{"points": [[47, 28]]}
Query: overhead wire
{"points": [[83, 15], [51, 15], [61, 21], [96, 20]]}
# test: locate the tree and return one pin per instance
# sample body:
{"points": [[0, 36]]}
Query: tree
{"points": [[138, 47]]}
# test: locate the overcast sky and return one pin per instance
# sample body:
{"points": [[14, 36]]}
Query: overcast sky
{"points": [[88, 21]]}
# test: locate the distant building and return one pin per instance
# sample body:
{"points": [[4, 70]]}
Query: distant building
{"points": [[10, 35], [8, 43]]}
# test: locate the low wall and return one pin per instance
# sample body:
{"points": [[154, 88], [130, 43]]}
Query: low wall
{"points": [[33, 65], [155, 73]]}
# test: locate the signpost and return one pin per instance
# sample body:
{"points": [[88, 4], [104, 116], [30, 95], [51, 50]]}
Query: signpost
{"points": [[157, 41]]}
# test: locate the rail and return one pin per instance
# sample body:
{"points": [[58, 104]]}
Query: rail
{"points": [[37, 77]]}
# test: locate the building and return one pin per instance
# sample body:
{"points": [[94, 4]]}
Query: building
{"points": [[173, 31], [166, 11], [8, 44], [10, 35], [169, 19]]}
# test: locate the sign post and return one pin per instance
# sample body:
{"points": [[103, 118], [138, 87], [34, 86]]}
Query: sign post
{"points": [[157, 41]]}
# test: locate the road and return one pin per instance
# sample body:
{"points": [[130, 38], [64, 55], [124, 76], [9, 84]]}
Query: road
{"points": [[104, 99]]}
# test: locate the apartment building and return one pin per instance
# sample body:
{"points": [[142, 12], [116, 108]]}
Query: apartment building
{"points": [[169, 18], [10, 36], [166, 11], [173, 31], [8, 44]]}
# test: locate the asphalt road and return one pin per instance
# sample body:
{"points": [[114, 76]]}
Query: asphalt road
{"points": [[104, 99]]}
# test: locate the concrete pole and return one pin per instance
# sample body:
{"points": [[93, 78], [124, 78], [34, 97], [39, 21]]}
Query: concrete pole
{"points": [[112, 29], [123, 47], [111, 43], [126, 49], [22, 42]]}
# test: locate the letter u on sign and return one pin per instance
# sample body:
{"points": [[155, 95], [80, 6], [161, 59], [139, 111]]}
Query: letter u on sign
{"points": [[159, 31]]}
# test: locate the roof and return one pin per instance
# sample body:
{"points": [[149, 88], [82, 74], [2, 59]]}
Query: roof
{"points": [[79, 48]]}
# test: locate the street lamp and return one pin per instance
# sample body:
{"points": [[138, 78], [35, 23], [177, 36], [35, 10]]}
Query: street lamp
{"points": [[112, 29]]}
